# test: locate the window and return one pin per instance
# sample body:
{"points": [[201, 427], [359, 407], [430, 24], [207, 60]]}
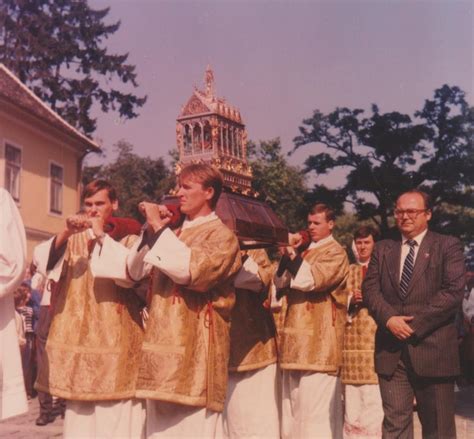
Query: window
{"points": [[12, 170], [56, 188]]}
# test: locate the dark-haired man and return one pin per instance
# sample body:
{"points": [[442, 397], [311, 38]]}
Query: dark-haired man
{"points": [[185, 354], [363, 412], [310, 352], [95, 334], [413, 288]]}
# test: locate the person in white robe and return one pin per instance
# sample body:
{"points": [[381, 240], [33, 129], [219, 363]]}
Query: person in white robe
{"points": [[252, 401], [363, 414], [310, 346], [12, 270], [86, 368], [206, 248]]}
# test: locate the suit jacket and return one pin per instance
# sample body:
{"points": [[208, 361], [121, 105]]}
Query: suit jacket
{"points": [[435, 293]]}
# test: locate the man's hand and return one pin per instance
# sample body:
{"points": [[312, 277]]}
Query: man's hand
{"points": [[295, 239], [398, 326], [289, 251], [157, 216], [356, 296], [74, 224], [77, 223]]}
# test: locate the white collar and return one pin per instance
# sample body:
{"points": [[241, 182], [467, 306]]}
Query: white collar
{"points": [[321, 242], [417, 238], [199, 220]]}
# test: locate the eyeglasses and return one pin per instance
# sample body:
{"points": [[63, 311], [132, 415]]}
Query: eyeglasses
{"points": [[411, 213]]}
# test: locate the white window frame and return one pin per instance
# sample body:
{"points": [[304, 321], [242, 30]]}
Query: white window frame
{"points": [[8, 143], [51, 181]]}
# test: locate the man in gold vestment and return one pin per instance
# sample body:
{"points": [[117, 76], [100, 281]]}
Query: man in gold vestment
{"points": [[363, 414], [95, 335], [310, 351], [184, 358], [251, 408]]}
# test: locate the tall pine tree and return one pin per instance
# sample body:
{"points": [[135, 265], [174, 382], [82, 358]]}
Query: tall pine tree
{"points": [[56, 47]]}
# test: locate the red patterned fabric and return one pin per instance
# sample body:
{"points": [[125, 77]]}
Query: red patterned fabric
{"points": [[118, 228]]}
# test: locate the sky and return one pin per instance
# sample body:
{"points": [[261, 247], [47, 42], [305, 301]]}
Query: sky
{"points": [[279, 60]]}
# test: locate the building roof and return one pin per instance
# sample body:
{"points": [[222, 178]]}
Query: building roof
{"points": [[18, 94]]}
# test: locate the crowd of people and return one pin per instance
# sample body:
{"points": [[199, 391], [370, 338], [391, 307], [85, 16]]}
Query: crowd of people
{"points": [[170, 329]]}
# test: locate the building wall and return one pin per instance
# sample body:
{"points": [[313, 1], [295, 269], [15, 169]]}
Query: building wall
{"points": [[40, 146]]}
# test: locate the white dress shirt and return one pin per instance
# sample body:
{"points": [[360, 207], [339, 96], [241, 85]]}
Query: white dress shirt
{"points": [[406, 249]]}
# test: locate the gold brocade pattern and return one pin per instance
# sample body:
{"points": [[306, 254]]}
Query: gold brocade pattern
{"points": [[95, 335], [312, 336], [185, 354], [252, 331], [359, 340]]}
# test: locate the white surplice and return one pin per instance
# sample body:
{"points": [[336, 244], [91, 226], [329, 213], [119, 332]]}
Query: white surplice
{"points": [[363, 414], [12, 270], [105, 419], [311, 401], [251, 408], [311, 405]]}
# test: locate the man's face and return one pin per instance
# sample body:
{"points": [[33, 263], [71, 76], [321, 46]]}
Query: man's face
{"points": [[365, 247], [194, 199], [99, 205], [318, 226], [411, 215]]}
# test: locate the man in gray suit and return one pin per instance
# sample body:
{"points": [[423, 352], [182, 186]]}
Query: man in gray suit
{"points": [[413, 288]]}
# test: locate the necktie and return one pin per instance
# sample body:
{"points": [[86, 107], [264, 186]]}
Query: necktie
{"points": [[407, 269]]}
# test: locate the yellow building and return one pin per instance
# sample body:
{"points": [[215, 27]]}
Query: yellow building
{"points": [[41, 158]]}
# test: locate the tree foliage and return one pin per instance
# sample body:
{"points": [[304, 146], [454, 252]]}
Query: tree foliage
{"points": [[385, 154], [56, 47], [135, 178], [281, 185]]}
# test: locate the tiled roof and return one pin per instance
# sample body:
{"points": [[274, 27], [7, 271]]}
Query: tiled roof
{"points": [[13, 90]]}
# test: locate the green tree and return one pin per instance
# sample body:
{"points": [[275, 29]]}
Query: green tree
{"points": [[385, 154], [281, 185], [135, 178], [56, 47]]}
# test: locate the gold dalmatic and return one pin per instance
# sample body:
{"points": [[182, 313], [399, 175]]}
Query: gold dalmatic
{"points": [[94, 341], [312, 336], [359, 339], [185, 352], [252, 331]]}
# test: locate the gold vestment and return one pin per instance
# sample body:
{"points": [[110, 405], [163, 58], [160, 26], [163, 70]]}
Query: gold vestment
{"points": [[94, 341], [185, 352], [252, 331], [312, 335], [359, 339]]}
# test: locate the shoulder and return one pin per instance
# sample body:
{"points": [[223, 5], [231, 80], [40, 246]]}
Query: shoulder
{"points": [[333, 246], [387, 244], [332, 249], [216, 230], [442, 239], [219, 227]]}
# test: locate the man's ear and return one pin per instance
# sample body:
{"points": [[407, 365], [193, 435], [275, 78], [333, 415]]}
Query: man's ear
{"points": [[209, 193], [331, 224], [115, 205]]}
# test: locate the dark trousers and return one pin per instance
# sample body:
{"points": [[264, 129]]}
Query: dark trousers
{"points": [[434, 399], [42, 330], [27, 363]]}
